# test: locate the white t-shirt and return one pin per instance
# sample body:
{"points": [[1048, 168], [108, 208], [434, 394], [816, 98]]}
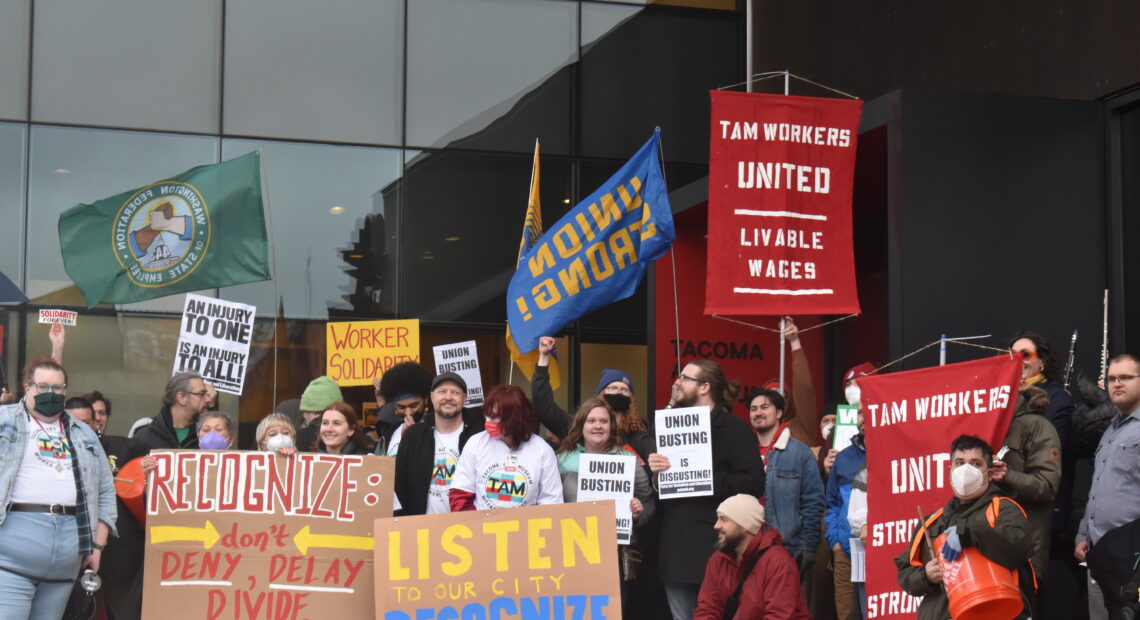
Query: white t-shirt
{"points": [[502, 478], [443, 470], [45, 475]]}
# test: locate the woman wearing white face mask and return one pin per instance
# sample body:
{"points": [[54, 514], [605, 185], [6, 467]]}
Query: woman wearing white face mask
{"points": [[275, 433], [978, 516]]}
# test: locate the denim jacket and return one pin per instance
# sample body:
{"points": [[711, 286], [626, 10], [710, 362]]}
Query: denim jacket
{"points": [[793, 501], [98, 484]]}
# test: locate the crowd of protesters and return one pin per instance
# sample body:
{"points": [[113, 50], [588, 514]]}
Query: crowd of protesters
{"points": [[773, 540]]}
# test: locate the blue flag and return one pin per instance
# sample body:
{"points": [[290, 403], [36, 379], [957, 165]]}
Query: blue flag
{"points": [[596, 254]]}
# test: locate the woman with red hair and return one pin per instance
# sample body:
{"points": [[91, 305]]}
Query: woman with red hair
{"points": [[507, 465]]}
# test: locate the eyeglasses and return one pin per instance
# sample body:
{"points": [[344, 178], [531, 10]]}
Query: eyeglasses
{"points": [[58, 388], [201, 394], [617, 390], [684, 377], [449, 392], [1028, 355], [1121, 378]]}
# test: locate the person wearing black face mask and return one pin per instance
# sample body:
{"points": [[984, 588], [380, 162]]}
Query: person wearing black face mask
{"points": [[615, 387], [57, 500]]}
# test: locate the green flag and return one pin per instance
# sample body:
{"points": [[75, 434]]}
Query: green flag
{"points": [[204, 228]]}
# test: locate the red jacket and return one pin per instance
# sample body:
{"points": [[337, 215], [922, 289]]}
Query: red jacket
{"points": [[771, 592]]}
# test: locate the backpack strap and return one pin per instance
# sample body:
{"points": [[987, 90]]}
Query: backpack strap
{"points": [[916, 544]]}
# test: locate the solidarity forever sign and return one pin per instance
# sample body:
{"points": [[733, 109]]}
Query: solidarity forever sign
{"points": [[781, 171], [609, 476], [910, 418], [357, 351], [67, 317], [461, 359], [251, 535], [214, 341], [551, 561], [684, 435]]}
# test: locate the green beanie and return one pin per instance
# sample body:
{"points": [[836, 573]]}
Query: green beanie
{"points": [[321, 393]]}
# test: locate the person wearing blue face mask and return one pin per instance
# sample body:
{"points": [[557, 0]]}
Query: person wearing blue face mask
{"points": [[215, 431], [57, 497]]}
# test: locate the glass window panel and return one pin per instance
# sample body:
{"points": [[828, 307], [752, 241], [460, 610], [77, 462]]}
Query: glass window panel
{"points": [[12, 200], [463, 221], [490, 74], [69, 166], [315, 70], [632, 83], [14, 25], [138, 63], [331, 212]]}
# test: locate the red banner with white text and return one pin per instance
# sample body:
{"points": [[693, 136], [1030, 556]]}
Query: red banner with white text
{"points": [[910, 418], [781, 171]]}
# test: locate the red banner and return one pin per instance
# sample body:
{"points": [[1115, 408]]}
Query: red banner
{"points": [[781, 171], [910, 418]]}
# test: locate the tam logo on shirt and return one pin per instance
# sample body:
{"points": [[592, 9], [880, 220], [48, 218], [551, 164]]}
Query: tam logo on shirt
{"points": [[443, 471], [506, 485]]}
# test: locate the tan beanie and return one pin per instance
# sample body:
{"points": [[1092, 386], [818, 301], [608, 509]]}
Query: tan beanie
{"points": [[745, 510]]}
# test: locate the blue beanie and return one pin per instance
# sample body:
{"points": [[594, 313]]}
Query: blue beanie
{"points": [[610, 375]]}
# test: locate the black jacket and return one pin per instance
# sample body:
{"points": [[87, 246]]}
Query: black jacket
{"points": [[159, 434], [687, 534], [415, 460]]}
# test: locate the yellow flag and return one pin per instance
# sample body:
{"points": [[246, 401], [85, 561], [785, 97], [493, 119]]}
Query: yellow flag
{"points": [[532, 232]]}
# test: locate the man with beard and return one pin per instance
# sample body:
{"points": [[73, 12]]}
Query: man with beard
{"points": [[794, 497], [425, 460], [750, 572], [173, 427], [737, 468]]}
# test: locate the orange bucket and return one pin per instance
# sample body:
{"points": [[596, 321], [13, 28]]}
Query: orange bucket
{"points": [[977, 588], [130, 483]]}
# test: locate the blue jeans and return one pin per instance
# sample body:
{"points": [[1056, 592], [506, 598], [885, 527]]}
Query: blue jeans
{"points": [[43, 546]]}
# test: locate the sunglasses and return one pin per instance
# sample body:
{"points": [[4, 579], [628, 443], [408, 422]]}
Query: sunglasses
{"points": [[1027, 355]]}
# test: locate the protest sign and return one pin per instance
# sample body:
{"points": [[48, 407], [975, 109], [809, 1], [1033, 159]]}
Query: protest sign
{"points": [[609, 476], [846, 426], [67, 317], [252, 535], [358, 351], [550, 561], [910, 418], [214, 341], [781, 172], [684, 436], [460, 358]]}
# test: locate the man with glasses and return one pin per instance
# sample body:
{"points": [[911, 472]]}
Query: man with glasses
{"points": [[428, 451], [1114, 498], [173, 428], [57, 497]]}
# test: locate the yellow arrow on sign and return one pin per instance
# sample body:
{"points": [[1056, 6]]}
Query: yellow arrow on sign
{"points": [[177, 533], [306, 539]]}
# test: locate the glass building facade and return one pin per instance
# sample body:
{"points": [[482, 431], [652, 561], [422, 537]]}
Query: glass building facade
{"points": [[396, 139]]}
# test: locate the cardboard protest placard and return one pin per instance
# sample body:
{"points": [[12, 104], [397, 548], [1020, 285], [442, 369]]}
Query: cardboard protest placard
{"points": [[213, 341], [550, 561], [358, 351], [846, 426], [253, 535], [67, 317], [609, 476], [461, 359], [915, 415], [684, 436]]}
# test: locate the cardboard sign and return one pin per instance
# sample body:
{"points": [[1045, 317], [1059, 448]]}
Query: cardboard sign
{"points": [[781, 172], [609, 476], [251, 535], [214, 340], [461, 359], [846, 426], [358, 351], [67, 317], [551, 561], [684, 436], [910, 418]]}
